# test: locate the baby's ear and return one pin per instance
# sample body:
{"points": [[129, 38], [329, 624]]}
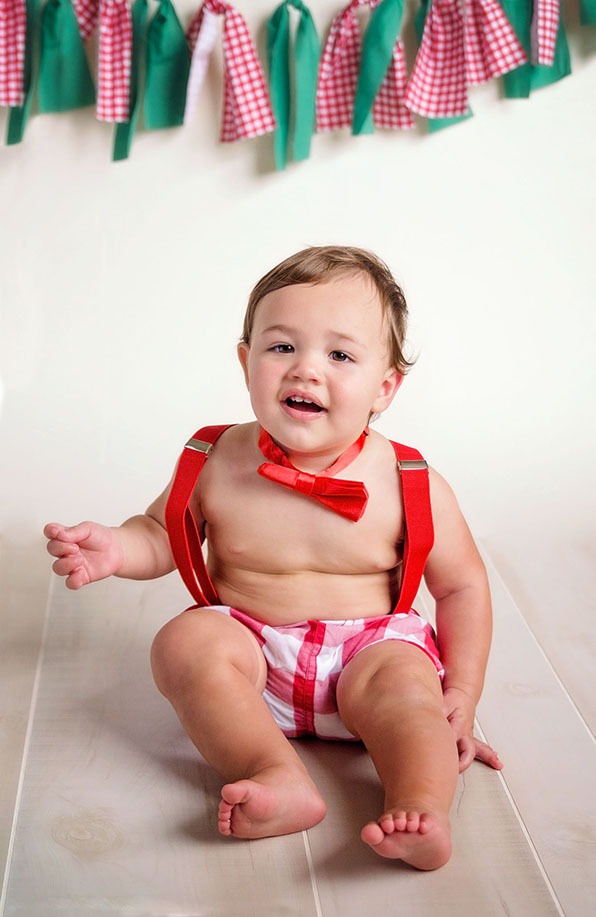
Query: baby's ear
{"points": [[392, 381], [242, 351]]}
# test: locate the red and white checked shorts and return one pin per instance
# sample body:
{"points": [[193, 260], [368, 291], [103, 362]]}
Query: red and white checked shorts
{"points": [[305, 660]]}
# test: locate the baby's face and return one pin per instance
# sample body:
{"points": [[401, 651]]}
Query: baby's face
{"points": [[317, 364]]}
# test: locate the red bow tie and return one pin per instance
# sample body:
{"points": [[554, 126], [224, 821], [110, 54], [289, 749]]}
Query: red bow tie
{"points": [[348, 498]]}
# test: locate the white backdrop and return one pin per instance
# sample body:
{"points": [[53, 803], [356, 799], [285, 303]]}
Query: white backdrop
{"points": [[124, 285]]}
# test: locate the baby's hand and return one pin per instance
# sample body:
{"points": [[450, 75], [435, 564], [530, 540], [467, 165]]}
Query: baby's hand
{"points": [[459, 708], [86, 552]]}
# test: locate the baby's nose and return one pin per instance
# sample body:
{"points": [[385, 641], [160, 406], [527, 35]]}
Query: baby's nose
{"points": [[307, 367]]}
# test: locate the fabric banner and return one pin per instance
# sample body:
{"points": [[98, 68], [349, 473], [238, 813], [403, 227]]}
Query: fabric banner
{"points": [[521, 82], [125, 130], [17, 120], [349, 81], [307, 51], [65, 81], [167, 67], [246, 109]]}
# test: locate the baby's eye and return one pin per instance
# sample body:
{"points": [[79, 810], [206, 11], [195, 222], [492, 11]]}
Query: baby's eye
{"points": [[282, 348], [339, 356]]}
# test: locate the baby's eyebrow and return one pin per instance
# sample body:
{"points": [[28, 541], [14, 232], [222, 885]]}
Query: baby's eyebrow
{"points": [[279, 329], [337, 336]]}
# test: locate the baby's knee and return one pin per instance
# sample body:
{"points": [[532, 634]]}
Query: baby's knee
{"points": [[177, 651], [200, 646]]}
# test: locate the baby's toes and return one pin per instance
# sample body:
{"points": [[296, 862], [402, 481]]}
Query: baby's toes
{"points": [[412, 821], [400, 820], [426, 823], [387, 823]]}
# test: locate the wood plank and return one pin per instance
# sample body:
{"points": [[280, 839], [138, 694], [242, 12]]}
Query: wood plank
{"points": [[118, 812], [548, 751], [492, 872], [24, 580]]}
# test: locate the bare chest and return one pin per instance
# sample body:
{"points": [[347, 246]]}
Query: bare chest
{"points": [[257, 525]]}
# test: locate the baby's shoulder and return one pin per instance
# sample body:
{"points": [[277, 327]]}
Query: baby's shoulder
{"points": [[235, 449]]}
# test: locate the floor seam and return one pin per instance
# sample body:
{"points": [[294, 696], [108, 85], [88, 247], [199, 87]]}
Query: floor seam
{"points": [[28, 734], [516, 811], [311, 870]]}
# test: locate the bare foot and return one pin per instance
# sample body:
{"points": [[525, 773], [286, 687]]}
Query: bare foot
{"points": [[278, 800], [421, 839]]}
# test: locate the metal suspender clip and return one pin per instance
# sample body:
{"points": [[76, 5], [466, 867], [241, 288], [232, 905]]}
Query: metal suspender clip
{"points": [[198, 445], [412, 465]]}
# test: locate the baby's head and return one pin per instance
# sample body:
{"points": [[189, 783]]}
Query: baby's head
{"points": [[318, 265]]}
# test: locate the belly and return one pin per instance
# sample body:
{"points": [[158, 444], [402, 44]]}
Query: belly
{"points": [[301, 596]]}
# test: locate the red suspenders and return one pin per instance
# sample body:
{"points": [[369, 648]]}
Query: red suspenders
{"points": [[185, 540]]}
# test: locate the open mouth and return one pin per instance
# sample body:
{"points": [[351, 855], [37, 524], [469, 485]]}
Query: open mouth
{"points": [[303, 405]]}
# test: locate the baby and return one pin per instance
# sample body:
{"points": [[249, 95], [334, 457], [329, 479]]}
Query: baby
{"points": [[303, 622]]}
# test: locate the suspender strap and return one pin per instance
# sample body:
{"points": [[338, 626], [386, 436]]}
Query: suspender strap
{"points": [[419, 535], [184, 536]]}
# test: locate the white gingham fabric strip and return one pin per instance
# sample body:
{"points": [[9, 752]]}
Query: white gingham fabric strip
{"points": [[492, 47], [246, 111], [338, 77], [205, 40], [438, 84], [12, 52], [545, 26]]}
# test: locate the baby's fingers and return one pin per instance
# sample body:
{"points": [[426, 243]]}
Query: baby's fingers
{"points": [[466, 747], [59, 548], [72, 534], [487, 755], [77, 579], [67, 565]]}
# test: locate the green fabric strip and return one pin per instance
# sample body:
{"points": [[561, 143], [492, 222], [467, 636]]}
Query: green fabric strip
{"points": [[17, 120], [125, 130], [307, 51], [377, 51], [278, 59], [522, 81], [167, 69], [587, 12], [65, 80], [439, 124]]}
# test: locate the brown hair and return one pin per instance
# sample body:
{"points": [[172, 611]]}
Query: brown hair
{"points": [[316, 265]]}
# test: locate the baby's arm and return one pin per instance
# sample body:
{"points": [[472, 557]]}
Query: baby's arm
{"points": [[456, 578], [137, 549]]}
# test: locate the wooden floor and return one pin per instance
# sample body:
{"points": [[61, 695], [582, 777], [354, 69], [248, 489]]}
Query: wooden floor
{"points": [[106, 808]]}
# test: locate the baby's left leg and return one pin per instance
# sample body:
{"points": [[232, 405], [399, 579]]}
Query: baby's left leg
{"points": [[390, 696]]}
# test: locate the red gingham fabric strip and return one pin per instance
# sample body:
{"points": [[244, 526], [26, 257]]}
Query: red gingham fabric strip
{"points": [[87, 13], [246, 109], [389, 108], [338, 76], [338, 72], [545, 26], [114, 55], [492, 47], [438, 84], [13, 27], [460, 48]]}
